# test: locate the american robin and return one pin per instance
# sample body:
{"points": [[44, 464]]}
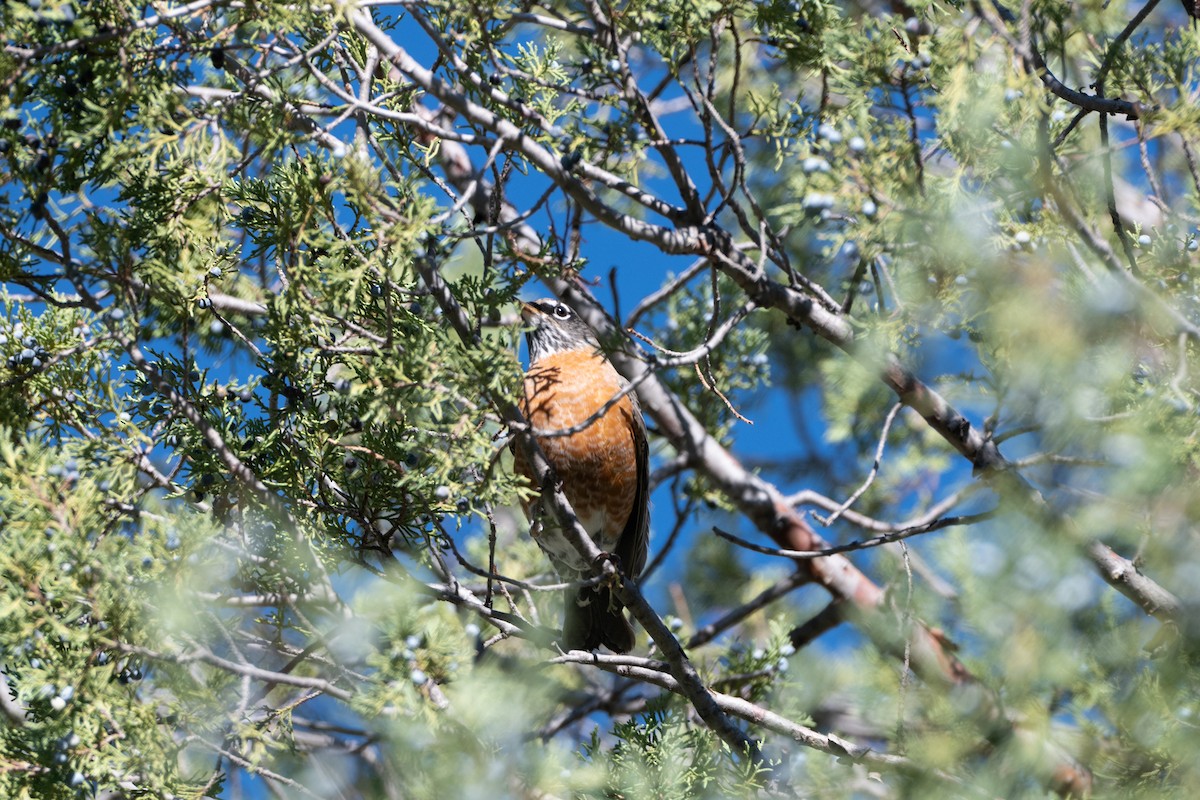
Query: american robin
{"points": [[603, 466]]}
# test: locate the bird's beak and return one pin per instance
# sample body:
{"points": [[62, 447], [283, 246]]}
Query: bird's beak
{"points": [[530, 313]]}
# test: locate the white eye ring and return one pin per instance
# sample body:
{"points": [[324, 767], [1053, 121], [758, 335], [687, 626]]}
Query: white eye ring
{"points": [[562, 312]]}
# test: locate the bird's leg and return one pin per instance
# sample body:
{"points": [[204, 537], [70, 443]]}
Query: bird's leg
{"points": [[535, 528], [610, 581]]}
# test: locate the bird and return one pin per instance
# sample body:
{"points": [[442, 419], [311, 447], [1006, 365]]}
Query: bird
{"points": [[602, 466]]}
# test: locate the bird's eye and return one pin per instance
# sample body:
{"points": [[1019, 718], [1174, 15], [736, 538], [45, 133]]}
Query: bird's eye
{"points": [[562, 312]]}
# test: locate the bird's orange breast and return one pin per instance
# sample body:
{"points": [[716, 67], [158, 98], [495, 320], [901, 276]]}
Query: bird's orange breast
{"points": [[598, 464]]}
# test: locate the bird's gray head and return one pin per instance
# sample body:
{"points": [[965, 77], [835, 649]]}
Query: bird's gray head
{"points": [[555, 328]]}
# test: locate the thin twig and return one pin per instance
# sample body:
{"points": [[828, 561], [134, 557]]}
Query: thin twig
{"points": [[862, 544], [732, 617], [887, 426]]}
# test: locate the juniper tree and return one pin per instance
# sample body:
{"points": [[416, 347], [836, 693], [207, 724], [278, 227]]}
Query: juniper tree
{"points": [[906, 294]]}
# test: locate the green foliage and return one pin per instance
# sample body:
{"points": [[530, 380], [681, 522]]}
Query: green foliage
{"points": [[80, 577], [258, 347], [659, 755]]}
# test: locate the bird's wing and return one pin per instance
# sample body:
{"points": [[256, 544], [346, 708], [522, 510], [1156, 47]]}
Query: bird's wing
{"points": [[635, 539]]}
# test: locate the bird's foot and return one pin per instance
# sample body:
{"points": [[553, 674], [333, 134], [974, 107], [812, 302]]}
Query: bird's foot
{"points": [[611, 558], [611, 581]]}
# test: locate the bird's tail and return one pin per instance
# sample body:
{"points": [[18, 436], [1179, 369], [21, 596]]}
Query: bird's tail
{"points": [[594, 617]]}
